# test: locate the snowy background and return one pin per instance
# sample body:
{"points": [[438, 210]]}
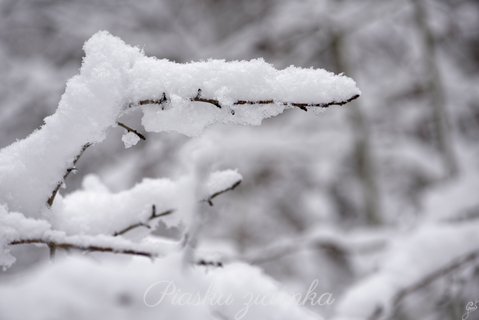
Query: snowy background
{"points": [[376, 200]]}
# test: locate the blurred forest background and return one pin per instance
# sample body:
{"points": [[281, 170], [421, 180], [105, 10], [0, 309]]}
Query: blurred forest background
{"points": [[405, 152]]}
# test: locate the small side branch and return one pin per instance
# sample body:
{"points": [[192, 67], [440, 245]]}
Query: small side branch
{"points": [[218, 193], [67, 173], [127, 128], [155, 214]]}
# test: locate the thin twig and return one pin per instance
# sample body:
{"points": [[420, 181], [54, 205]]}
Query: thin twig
{"points": [[153, 215], [127, 128], [214, 195], [67, 173], [216, 102]]}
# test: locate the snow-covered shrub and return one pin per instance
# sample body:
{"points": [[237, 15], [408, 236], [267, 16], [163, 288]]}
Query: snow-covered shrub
{"points": [[116, 79]]}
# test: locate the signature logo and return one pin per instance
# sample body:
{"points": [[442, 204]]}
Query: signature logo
{"points": [[471, 306]]}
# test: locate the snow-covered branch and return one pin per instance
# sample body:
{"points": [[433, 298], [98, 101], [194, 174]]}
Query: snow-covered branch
{"points": [[440, 272], [155, 215], [93, 219], [114, 75]]}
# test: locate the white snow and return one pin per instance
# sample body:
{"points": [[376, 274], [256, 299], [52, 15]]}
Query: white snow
{"points": [[140, 289], [12, 226], [130, 139]]}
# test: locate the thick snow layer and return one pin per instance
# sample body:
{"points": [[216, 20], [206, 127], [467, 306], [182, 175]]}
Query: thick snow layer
{"points": [[95, 210], [228, 82], [81, 288], [410, 260]]}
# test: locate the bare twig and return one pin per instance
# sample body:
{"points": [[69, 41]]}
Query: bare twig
{"points": [[214, 195], [67, 173], [155, 215], [127, 128], [162, 100], [216, 102]]}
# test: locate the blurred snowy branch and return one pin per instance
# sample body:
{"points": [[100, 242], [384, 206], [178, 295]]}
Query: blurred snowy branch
{"points": [[413, 261], [323, 239]]}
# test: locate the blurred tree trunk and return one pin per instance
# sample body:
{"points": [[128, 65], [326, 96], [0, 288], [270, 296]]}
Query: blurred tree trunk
{"points": [[440, 120], [362, 149]]}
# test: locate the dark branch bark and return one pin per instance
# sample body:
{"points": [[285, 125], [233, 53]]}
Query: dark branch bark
{"points": [[214, 195], [67, 173], [90, 248], [127, 128], [153, 216], [216, 102]]}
